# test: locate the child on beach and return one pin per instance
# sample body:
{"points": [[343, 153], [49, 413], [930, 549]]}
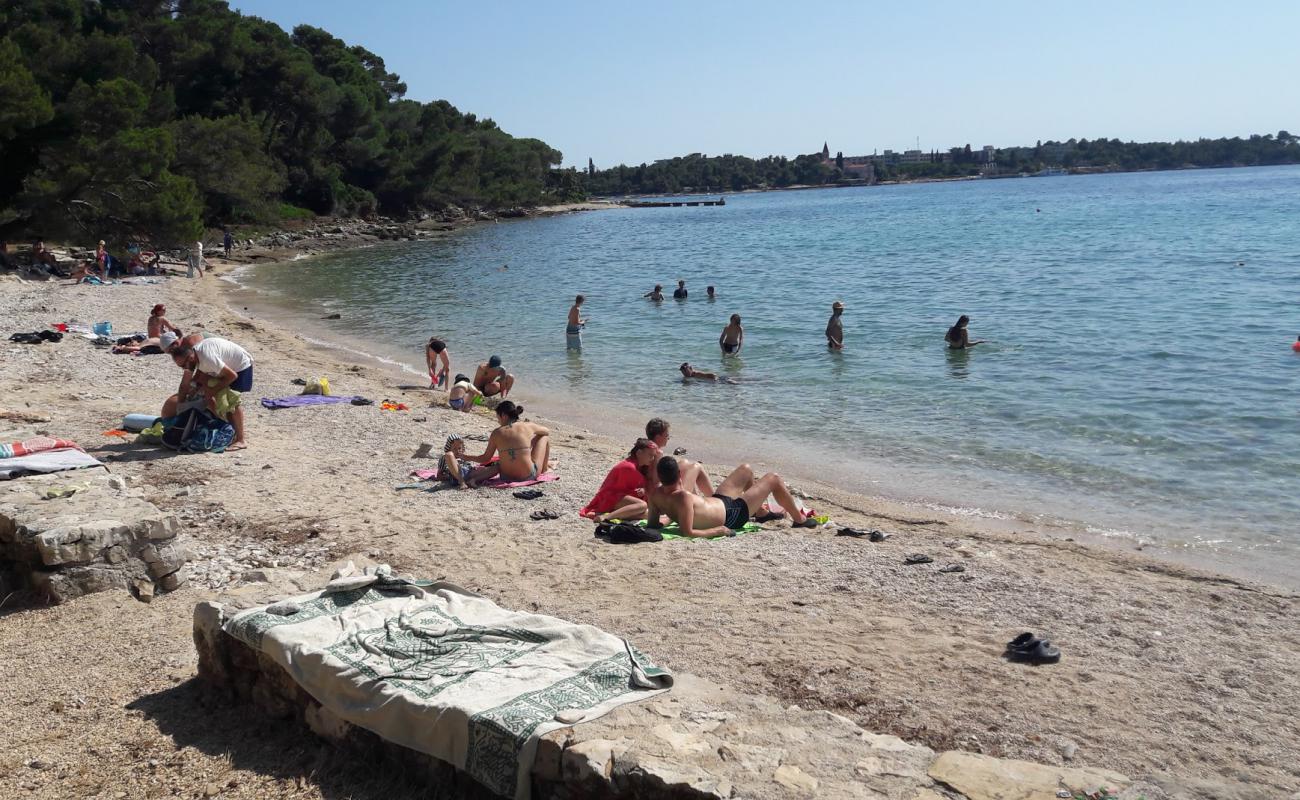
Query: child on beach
{"points": [[453, 468], [439, 362], [576, 322], [463, 394], [733, 337]]}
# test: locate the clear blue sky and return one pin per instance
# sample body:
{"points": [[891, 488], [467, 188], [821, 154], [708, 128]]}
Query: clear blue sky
{"points": [[637, 81]]}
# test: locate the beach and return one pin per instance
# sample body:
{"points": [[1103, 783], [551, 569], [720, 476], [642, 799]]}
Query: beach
{"points": [[1168, 672]]}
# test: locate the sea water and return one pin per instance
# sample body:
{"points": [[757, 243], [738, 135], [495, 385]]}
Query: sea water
{"points": [[1139, 380]]}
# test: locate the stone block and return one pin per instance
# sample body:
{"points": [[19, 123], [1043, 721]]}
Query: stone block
{"points": [[981, 777]]}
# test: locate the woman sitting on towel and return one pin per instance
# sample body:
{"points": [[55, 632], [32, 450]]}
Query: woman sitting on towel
{"points": [[525, 446], [622, 495]]}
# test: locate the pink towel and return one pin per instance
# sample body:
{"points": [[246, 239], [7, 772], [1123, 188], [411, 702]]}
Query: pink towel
{"points": [[492, 483]]}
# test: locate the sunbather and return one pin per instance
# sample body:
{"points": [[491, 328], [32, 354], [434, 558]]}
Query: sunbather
{"points": [[658, 431], [453, 467], [156, 326], [525, 446], [737, 500], [622, 494]]}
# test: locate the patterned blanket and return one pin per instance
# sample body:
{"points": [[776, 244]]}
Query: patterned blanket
{"points": [[35, 445], [446, 672]]}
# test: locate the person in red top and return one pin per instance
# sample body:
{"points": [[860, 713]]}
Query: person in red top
{"points": [[622, 494]]}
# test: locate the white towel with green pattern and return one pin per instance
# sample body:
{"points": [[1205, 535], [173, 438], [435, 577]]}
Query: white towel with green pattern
{"points": [[443, 671]]}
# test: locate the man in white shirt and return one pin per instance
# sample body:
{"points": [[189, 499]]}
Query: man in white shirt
{"points": [[218, 364]]}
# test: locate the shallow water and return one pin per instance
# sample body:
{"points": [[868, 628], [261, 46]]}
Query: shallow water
{"points": [[1139, 381]]}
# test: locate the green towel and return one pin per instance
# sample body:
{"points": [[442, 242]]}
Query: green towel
{"points": [[670, 531]]}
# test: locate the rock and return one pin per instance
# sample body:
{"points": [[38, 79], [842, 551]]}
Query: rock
{"points": [[117, 482], [647, 776], [1068, 749], [594, 758], [172, 582], [685, 743], [143, 589], [982, 777], [255, 576], [795, 779], [325, 724]]}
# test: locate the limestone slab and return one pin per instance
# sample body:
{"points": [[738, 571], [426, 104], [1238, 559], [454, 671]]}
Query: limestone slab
{"points": [[981, 777]]}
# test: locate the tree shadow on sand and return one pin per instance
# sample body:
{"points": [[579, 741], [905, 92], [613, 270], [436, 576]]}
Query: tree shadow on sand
{"points": [[285, 750]]}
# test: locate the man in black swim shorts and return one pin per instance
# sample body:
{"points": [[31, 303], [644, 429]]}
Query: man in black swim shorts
{"points": [[737, 499]]}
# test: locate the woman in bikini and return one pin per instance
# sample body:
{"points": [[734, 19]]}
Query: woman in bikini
{"points": [[525, 446]]}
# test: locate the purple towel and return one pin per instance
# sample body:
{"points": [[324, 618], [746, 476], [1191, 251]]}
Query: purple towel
{"points": [[299, 400]]}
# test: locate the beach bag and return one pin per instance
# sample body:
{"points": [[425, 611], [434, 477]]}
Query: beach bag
{"points": [[627, 533], [197, 431]]}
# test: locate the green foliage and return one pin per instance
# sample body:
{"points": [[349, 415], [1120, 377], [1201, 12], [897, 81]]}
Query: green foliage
{"points": [[287, 211], [152, 118], [700, 173]]}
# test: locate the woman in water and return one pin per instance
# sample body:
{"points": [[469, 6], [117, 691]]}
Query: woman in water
{"points": [[733, 337], [525, 446], [958, 338], [622, 494]]}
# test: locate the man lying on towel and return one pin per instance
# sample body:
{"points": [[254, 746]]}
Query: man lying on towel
{"points": [[737, 498]]}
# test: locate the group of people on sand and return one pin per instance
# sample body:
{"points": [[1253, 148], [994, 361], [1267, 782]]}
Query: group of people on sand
{"points": [[517, 450], [490, 378], [653, 485]]}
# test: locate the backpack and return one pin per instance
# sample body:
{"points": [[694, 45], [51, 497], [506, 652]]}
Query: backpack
{"points": [[627, 533]]}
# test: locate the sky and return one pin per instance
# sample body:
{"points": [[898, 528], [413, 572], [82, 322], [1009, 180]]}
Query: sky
{"points": [[632, 82]]}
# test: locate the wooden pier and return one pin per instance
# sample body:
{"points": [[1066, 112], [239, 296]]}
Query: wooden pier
{"points": [[721, 201]]}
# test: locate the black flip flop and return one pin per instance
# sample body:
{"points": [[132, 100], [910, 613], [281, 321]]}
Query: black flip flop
{"points": [[529, 494], [544, 513], [917, 558], [880, 536], [854, 532], [808, 522], [1036, 651]]}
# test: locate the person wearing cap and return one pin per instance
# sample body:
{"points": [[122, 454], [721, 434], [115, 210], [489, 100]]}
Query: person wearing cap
{"points": [[196, 260], [454, 468], [835, 328], [492, 379], [217, 365]]}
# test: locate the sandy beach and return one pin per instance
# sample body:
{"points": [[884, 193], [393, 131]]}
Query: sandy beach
{"points": [[1167, 673]]}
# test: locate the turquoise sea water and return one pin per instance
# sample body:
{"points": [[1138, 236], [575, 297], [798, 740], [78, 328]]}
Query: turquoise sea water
{"points": [[1140, 382]]}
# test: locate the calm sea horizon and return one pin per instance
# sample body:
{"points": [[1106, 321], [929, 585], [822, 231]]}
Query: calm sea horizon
{"points": [[1139, 382]]}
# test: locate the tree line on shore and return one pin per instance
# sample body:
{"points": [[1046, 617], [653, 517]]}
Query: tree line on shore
{"points": [[700, 173], [154, 119]]}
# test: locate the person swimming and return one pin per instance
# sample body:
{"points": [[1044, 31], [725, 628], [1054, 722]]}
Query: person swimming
{"points": [[689, 372], [958, 338], [656, 295], [733, 337]]}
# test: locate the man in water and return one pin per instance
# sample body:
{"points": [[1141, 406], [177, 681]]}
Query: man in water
{"points": [[835, 328], [710, 293], [438, 361], [657, 295], [492, 379], [689, 372], [733, 337], [737, 499], [575, 321], [680, 292], [958, 338]]}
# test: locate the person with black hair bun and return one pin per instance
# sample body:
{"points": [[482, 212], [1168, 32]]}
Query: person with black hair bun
{"points": [[525, 447]]}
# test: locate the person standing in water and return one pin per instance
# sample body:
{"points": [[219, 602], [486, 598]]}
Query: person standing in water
{"points": [[656, 295], [575, 320], [958, 338], [712, 295], [680, 292], [733, 337], [835, 327]]}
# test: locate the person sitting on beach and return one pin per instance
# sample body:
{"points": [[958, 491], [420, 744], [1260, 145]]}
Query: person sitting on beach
{"points": [[86, 270], [576, 322], [835, 327], [738, 498], [680, 292], [622, 493], [525, 447], [438, 361], [454, 468], [710, 294], [492, 379], [42, 256], [144, 263], [733, 337], [658, 431], [462, 394], [156, 327], [958, 338], [218, 364], [657, 295]]}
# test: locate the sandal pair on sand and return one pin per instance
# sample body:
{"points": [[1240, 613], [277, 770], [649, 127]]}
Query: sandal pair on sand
{"points": [[1030, 649]]}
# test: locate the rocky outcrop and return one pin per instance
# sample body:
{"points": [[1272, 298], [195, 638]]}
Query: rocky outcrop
{"points": [[101, 536]]}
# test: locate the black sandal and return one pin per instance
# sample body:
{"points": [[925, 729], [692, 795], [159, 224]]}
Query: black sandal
{"points": [[544, 513]]}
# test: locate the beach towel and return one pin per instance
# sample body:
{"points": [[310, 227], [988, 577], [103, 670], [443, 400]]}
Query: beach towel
{"points": [[492, 483], [299, 400], [46, 461], [36, 444], [437, 669], [672, 531]]}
